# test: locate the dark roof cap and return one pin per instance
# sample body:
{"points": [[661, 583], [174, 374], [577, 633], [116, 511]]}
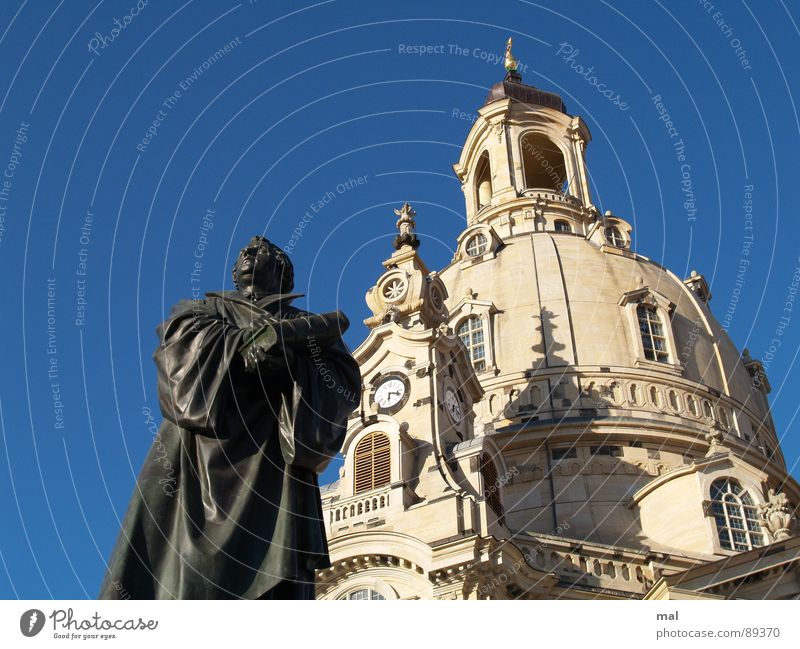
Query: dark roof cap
{"points": [[512, 88]]}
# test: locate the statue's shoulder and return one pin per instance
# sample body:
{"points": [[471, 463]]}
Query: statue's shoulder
{"points": [[219, 301], [181, 316], [224, 295], [183, 308], [211, 304]]}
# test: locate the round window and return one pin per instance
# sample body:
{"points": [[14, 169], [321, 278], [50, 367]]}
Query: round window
{"points": [[614, 237], [477, 245]]}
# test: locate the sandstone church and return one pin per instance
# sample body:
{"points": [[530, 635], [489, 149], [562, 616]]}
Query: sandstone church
{"points": [[552, 415]]}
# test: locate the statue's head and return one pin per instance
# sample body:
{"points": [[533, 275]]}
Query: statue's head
{"points": [[263, 268]]}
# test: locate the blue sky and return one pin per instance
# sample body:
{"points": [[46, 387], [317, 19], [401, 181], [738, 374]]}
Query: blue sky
{"points": [[132, 149]]}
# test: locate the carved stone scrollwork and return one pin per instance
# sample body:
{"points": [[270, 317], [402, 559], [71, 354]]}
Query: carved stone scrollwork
{"points": [[777, 516], [498, 128]]}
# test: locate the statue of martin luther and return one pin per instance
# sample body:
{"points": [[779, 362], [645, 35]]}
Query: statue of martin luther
{"points": [[255, 395]]}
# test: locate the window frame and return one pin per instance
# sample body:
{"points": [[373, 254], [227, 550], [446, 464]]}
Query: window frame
{"points": [[555, 146], [471, 345], [722, 509], [483, 167], [491, 494], [562, 226], [485, 310], [605, 450], [355, 583], [401, 446], [615, 238], [493, 243], [385, 465], [480, 248], [647, 315], [370, 591], [561, 453], [631, 301]]}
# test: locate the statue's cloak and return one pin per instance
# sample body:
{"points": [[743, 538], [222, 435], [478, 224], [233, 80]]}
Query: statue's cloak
{"points": [[227, 503]]}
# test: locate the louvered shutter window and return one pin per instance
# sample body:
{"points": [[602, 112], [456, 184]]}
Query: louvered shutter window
{"points": [[372, 463], [491, 485]]}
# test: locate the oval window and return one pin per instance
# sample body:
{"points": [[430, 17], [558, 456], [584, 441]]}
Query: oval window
{"points": [[477, 245]]}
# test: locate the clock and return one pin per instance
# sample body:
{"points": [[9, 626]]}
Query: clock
{"points": [[391, 392], [452, 405]]}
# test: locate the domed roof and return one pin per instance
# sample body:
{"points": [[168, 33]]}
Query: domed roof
{"points": [[512, 88], [562, 303]]}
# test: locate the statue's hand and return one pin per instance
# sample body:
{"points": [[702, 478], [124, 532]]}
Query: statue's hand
{"points": [[258, 358]]}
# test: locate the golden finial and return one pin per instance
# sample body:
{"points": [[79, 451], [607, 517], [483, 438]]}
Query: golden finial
{"points": [[511, 62]]}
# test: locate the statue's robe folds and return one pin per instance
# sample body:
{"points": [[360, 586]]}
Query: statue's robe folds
{"points": [[227, 503]]}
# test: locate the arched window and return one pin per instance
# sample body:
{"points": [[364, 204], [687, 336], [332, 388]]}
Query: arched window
{"points": [[614, 237], [736, 516], [542, 163], [483, 181], [363, 594], [491, 485], [654, 341], [471, 332], [562, 226], [477, 245], [372, 467]]}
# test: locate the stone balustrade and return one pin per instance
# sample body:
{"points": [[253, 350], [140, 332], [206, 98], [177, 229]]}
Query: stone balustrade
{"points": [[357, 508], [537, 398]]}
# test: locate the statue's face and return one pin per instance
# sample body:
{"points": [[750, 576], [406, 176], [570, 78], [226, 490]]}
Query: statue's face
{"points": [[255, 269]]}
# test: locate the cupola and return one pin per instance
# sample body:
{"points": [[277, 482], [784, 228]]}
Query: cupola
{"points": [[525, 150]]}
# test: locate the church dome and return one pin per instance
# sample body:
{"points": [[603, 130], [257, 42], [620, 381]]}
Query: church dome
{"points": [[613, 330], [609, 385]]}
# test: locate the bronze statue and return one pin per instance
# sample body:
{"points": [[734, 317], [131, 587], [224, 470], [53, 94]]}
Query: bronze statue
{"points": [[255, 395]]}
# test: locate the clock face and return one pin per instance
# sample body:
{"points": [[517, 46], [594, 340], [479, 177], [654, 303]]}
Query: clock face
{"points": [[453, 405], [391, 392]]}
